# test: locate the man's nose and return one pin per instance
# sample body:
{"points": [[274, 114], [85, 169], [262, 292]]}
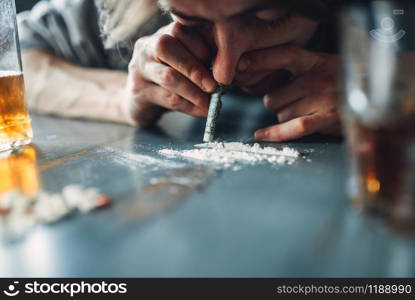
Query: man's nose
{"points": [[229, 50]]}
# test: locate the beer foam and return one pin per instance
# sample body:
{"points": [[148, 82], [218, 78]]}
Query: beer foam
{"points": [[10, 73]]}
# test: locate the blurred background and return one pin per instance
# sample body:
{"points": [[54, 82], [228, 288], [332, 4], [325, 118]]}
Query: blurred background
{"points": [[22, 5]]}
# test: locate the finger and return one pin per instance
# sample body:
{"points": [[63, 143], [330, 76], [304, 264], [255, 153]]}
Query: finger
{"points": [[308, 84], [293, 129], [249, 79], [156, 95], [325, 103], [175, 82], [193, 42], [145, 113], [294, 59], [281, 97], [172, 52], [295, 110]]}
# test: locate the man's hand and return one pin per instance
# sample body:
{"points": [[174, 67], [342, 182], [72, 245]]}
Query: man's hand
{"points": [[169, 71], [308, 103]]}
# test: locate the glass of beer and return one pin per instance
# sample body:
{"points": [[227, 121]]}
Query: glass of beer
{"points": [[15, 124], [378, 109]]}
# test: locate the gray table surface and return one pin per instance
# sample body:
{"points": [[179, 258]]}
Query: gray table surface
{"points": [[174, 218]]}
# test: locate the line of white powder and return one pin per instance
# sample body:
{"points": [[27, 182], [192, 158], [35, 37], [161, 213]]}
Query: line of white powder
{"points": [[256, 148], [228, 154]]}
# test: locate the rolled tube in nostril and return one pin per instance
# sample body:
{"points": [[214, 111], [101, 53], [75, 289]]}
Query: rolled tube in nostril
{"points": [[213, 114]]}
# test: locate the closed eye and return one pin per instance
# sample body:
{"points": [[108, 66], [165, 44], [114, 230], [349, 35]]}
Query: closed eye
{"points": [[273, 17], [279, 21]]}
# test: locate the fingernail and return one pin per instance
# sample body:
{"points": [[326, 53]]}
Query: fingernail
{"points": [[260, 135], [243, 64], [209, 85]]}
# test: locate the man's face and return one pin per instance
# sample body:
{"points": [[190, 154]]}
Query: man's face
{"points": [[234, 27]]}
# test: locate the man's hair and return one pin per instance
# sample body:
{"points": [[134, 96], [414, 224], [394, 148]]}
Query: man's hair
{"points": [[120, 19]]}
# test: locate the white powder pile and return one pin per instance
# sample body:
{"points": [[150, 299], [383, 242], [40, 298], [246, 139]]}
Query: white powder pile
{"points": [[20, 213], [228, 154]]}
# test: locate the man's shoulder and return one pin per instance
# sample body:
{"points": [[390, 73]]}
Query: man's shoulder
{"points": [[61, 7]]}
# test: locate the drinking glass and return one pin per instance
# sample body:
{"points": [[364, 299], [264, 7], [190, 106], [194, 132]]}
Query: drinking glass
{"points": [[15, 123], [378, 108]]}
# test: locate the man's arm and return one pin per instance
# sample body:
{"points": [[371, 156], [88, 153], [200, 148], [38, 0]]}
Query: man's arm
{"points": [[57, 87]]}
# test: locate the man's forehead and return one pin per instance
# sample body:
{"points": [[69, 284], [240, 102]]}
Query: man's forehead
{"points": [[211, 9]]}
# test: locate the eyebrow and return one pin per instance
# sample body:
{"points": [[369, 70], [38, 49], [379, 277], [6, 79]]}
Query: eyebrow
{"points": [[184, 16], [253, 9]]}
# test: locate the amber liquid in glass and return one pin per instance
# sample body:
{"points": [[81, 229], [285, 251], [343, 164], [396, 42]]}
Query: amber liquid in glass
{"points": [[15, 123], [18, 172], [383, 163]]}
